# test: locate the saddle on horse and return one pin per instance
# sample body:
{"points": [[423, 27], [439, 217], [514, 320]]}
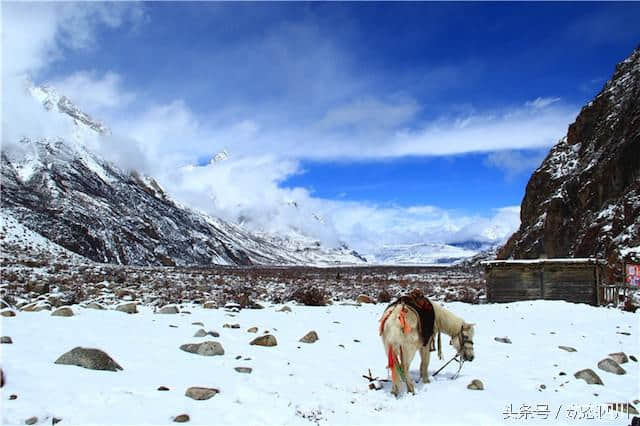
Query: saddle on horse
{"points": [[426, 315]]}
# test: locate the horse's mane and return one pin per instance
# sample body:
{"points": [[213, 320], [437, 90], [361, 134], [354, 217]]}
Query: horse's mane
{"points": [[446, 321]]}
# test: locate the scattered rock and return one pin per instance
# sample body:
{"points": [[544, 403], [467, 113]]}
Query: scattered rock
{"points": [[169, 309], [208, 348], [502, 339], [173, 326], [611, 366], [285, 308], [62, 312], [200, 394], [475, 385], [200, 333], [567, 348], [252, 330], [1, 378], [163, 388], [182, 418], [6, 339], [13, 397], [310, 337], [619, 357], [562, 373], [198, 323], [246, 370], [543, 386], [210, 305], [94, 305], [55, 420], [624, 333], [589, 376], [363, 298], [8, 313], [129, 308], [231, 326], [633, 358], [310, 296], [266, 340], [31, 421], [90, 358]]}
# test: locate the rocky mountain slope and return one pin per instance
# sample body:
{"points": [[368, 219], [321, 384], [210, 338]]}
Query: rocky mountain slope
{"points": [[584, 200], [66, 193]]}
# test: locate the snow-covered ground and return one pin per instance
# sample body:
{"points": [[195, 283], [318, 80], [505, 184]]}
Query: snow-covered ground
{"points": [[298, 383]]}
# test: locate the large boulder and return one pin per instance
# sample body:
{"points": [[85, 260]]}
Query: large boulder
{"points": [[90, 358], [611, 366], [169, 309], [266, 340], [589, 376], [208, 348], [129, 308], [62, 312]]}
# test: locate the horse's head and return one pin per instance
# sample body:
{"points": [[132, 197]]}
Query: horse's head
{"points": [[463, 342]]}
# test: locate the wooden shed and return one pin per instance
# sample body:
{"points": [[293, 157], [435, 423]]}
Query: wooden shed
{"points": [[573, 280]]}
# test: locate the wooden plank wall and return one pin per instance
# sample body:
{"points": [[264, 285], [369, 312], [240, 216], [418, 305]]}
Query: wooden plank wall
{"points": [[574, 283]]}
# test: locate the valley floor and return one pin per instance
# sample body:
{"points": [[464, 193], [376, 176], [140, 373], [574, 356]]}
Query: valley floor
{"points": [[321, 383]]}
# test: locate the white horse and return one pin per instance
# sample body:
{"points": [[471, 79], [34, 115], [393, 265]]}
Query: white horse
{"points": [[401, 340]]}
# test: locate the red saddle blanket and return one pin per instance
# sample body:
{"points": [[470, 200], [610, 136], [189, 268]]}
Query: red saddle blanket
{"points": [[426, 315]]}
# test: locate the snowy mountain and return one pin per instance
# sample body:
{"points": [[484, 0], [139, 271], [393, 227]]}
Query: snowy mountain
{"points": [[584, 199], [424, 253], [63, 191]]}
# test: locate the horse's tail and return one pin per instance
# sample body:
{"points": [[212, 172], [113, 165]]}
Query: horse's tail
{"points": [[395, 364]]}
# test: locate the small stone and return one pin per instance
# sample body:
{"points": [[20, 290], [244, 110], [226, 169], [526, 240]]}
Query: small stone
{"points": [[200, 393], [619, 357], [238, 356], [55, 420], [163, 388], [502, 339], [633, 358], [246, 370], [285, 308], [210, 305], [252, 330], [173, 326], [562, 373], [8, 313], [543, 386], [266, 340], [567, 348], [363, 298], [182, 418], [231, 326], [62, 312], [589, 376], [6, 339], [611, 366], [198, 323], [93, 359], [200, 333], [129, 308], [94, 305], [13, 397], [475, 385], [624, 333], [169, 309], [208, 348], [31, 421], [310, 337]]}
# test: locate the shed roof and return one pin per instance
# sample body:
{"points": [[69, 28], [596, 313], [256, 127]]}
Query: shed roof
{"points": [[557, 261]]}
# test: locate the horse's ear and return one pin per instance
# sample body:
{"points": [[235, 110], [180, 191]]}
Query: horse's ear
{"points": [[468, 325]]}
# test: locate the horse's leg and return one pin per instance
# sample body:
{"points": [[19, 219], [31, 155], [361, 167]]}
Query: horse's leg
{"points": [[425, 354], [407, 357]]}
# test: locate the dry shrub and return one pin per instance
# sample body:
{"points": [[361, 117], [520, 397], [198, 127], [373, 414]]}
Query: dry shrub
{"points": [[310, 296]]}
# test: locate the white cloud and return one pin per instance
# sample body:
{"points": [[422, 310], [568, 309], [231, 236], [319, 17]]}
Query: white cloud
{"points": [[540, 102], [516, 162]]}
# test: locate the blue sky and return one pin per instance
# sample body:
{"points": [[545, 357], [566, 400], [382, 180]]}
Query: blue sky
{"points": [[382, 108]]}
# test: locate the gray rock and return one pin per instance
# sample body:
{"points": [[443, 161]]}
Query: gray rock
{"points": [[502, 339], [200, 393], [285, 308], [200, 333], [55, 420], [266, 340], [7, 313], [93, 359], [619, 357], [62, 312], [6, 339], [208, 348], [182, 418], [252, 330], [475, 385], [198, 323], [310, 337], [231, 326], [589, 376], [246, 370], [94, 305], [169, 309], [633, 358], [163, 388], [129, 308], [31, 421], [567, 348], [611, 366]]}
